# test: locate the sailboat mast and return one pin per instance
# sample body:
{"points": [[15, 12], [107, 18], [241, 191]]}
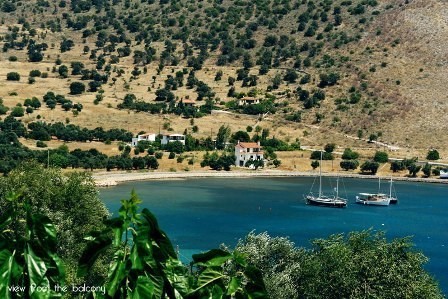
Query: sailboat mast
{"points": [[379, 185], [320, 175], [390, 188], [337, 187]]}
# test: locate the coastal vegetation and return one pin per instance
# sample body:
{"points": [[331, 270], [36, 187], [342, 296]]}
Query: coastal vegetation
{"points": [[354, 265], [56, 236]]}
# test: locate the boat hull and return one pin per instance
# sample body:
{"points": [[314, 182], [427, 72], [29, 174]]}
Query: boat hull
{"points": [[373, 201], [326, 202], [393, 201]]}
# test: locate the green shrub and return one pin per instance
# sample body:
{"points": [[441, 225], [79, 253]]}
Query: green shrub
{"points": [[77, 88], [41, 144], [433, 155], [13, 76], [35, 73], [18, 111], [370, 166], [349, 164], [381, 157]]}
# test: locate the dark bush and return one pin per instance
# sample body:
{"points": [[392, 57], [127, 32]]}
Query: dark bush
{"points": [[13, 76]]}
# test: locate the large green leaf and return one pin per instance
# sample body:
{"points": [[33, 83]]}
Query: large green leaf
{"points": [[157, 283], [234, 285], [44, 232], [43, 235], [38, 276], [144, 289], [36, 267], [136, 259], [159, 238], [214, 257], [117, 274], [99, 242], [9, 272], [217, 292], [177, 275], [142, 249], [240, 258], [209, 276], [118, 227]]}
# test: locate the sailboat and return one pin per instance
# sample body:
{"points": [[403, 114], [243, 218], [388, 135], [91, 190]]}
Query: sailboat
{"points": [[324, 200], [377, 199], [393, 199]]}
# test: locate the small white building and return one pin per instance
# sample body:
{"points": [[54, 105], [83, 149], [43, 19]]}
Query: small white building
{"points": [[244, 151], [248, 101], [172, 138], [143, 137]]}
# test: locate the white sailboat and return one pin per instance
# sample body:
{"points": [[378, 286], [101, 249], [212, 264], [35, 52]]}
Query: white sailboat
{"points": [[393, 199], [324, 200], [377, 199]]}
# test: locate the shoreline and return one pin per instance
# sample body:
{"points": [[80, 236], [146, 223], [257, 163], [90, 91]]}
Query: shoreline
{"points": [[109, 179]]}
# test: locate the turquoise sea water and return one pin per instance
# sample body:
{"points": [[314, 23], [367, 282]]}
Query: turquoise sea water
{"points": [[201, 214]]}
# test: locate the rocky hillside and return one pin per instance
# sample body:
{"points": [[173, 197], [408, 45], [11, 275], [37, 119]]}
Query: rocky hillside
{"points": [[321, 69]]}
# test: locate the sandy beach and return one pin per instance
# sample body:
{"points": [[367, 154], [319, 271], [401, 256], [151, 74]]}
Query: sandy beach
{"points": [[107, 179]]}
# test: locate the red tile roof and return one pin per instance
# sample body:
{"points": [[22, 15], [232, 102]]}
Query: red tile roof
{"points": [[187, 101], [249, 145]]}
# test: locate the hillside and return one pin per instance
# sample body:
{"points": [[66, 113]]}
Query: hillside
{"points": [[323, 70]]}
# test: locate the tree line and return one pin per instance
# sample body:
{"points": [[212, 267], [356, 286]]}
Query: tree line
{"points": [[350, 161]]}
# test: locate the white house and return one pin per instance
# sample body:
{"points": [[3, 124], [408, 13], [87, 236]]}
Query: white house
{"points": [[172, 138], [144, 137], [245, 151], [248, 101]]}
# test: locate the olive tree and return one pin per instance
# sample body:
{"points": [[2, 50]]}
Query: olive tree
{"points": [[70, 201], [13, 76], [356, 265], [77, 88], [370, 166], [433, 155], [381, 157]]}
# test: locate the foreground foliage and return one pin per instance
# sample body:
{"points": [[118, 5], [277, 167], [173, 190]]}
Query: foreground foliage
{"points": [[28, 257], [143, 263], [70, 202], [358, 265]]}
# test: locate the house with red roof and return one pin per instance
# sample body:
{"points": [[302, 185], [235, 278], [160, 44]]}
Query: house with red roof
{"points": [[188, 102], [245, 151]]}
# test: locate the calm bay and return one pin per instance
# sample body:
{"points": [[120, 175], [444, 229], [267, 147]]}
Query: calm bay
{"points": [[201, 213]]}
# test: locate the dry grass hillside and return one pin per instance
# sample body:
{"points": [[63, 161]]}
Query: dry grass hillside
{"points": [[420, 62], [399, 65]]}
